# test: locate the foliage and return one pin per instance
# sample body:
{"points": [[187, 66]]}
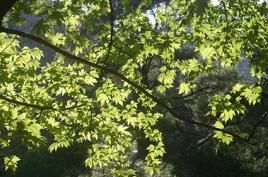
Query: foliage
{"points": [[100, 90]]}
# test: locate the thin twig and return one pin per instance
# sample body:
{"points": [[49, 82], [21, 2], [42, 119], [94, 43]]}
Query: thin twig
{"points": [[111, 31], [35, 106], [204, 140], [251, 135], [200, 90]]}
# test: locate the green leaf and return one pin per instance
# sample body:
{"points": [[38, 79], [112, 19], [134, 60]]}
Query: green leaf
{"points": [[227, 115], [186, 87], [252, 94], [225, 138], [34, 129], [11, 162], [207, 52], [219, 125], [59, 144]]}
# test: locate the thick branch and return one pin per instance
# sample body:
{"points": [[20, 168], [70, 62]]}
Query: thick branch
{"points": [[118, 75]]}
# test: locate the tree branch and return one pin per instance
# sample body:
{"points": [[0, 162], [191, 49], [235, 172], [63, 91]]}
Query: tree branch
{"points": [[2, 97], [111, 31], [200, 90], [118, 75], [204, 140], [251, 135]]}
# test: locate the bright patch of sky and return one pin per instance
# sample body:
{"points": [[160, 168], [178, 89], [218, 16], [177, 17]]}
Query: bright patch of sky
{"points": [[217, 2], [261, 1], [151, 13], [151, 17]]}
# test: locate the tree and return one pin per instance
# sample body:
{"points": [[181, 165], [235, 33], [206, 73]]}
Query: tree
{"points": [[116, 73]]}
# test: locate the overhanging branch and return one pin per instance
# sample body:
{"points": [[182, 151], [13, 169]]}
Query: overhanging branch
{"points": [[118, 75]]}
